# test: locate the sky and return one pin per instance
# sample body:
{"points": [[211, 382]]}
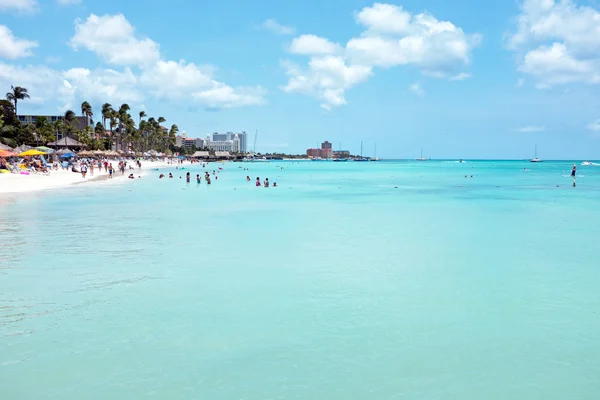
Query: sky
{"points": [[460, 79]]}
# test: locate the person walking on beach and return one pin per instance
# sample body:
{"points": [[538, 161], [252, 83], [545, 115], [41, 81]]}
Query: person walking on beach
{"points": [[110, 170], [92, 168], [573, 172], [105, 166], [83, 169]]}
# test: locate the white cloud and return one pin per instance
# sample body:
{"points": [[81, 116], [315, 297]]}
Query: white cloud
{"points": [[113, 38], [594, 126], [395, 37], [557, 42], [392, 37], [313, 45], [172, 79], [460, 77], [70, 87], [275, 27], [326, 78], [152, 76], [530, 129], [385, 18], [14, 47], [18, 5], [417, 89], [178, 80], [220, 95], [68, 2]]}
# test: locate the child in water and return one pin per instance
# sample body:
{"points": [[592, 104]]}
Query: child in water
{"points": [[258, 182], [187, 177], [198, 179]]}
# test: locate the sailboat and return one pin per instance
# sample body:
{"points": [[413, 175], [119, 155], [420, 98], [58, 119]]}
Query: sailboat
{"points": [[361, 156], [421, 158], [375, 156], [536, 159]]}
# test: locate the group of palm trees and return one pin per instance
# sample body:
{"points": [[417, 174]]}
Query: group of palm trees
{"points": [[122, 135]]}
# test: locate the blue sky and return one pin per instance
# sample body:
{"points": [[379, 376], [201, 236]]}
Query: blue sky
{"points": [[462, 79]]}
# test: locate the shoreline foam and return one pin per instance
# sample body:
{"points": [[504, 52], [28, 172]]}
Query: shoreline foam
{"points": [[16, 183]]}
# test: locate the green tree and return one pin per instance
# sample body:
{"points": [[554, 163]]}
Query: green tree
{"points": [[142, 115], [43, 130], [17, 93], [68, 120], [7, 109], [59, 127], [173, 135], [106, 112], [86, 109]]}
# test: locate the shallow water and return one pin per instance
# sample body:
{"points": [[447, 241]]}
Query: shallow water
{"points": [[350, 280]]}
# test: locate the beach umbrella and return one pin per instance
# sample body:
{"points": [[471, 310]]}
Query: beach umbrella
{"points": [[45, 149], [67, 155], [64, 151], [6, 153], [22, 148], [32, 152]]}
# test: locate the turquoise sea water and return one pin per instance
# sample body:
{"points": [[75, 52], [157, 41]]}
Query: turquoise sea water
{"points": [[388, 280]]}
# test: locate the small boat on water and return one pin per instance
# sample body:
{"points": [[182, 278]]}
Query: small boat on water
{"points": [[340, 159], [421, 158], [587, 163], [361, 158], [375, 155], [536, 159]]}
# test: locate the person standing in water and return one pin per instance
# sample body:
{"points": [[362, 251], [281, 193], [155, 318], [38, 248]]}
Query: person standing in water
{"points": [[187, 177], [573, 172]]}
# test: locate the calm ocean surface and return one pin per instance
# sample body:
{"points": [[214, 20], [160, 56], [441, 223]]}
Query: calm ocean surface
{"points": [[388, 280]]}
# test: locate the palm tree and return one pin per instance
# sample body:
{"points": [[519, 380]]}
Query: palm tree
{"points": [[112, 123], [17, 93], [123, 117], [142, 115], [43, 129], [69, 118], [86, 110], [106, 110], [99, 134], [58, 126], [173, 135]]}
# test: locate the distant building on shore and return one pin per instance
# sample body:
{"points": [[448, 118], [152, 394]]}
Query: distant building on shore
{"points": [[223, 138], [184, 141], [324, 152], [230, 141], [80, 121], [341, 154]]}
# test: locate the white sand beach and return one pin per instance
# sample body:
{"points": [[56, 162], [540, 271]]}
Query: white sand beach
{"points": [[16, 183]]}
